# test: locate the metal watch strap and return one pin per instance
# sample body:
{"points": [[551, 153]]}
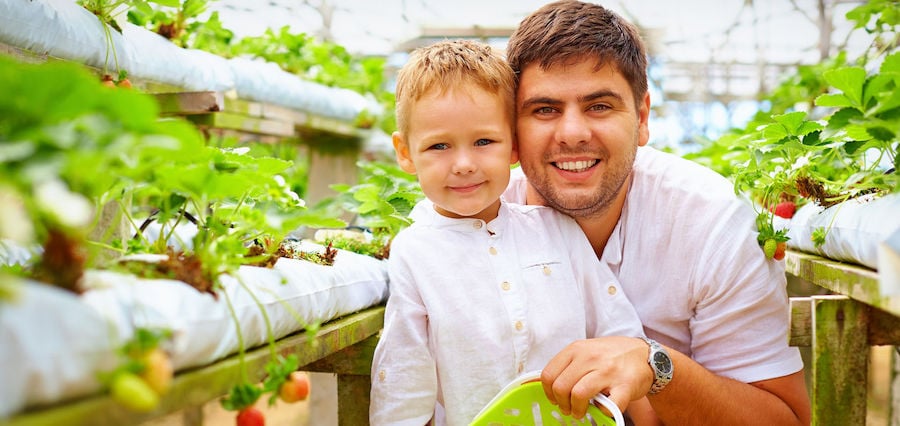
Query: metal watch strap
{"points": [[663, 376]]}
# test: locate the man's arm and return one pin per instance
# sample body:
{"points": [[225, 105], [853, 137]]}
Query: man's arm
{"points": [[696, 396], [617, 366]]}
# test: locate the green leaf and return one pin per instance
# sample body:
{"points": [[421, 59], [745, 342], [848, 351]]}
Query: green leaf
{"points": [[891, 64], [791, 121], [169, 3], [850, 81], [833, 100]]}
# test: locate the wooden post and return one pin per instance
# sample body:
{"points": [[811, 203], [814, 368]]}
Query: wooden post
{"points": [[840, 361], [894, 409], [330, 163], [352, 365]]}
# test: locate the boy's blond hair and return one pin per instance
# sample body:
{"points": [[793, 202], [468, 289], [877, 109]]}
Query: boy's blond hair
{"points": [[451, 64]]}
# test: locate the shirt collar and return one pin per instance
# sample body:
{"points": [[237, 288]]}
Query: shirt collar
{"points": [[424, 214]]}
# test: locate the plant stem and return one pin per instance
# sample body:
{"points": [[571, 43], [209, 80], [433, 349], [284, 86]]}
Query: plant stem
{"points": [[269, 335], [240, 337]]}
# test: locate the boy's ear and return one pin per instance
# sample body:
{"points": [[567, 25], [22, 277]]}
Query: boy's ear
{"points": [[401, 148], [514, 155]]}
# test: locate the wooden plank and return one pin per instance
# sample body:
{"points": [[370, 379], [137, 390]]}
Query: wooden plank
{"points": [[199, 385], [356, 359], [883, 328], [187, 103], [245, 123], [801, 321], [839, 361], [857, 282]]}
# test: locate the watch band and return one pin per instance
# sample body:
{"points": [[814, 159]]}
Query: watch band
{"points": [[661, 364]]}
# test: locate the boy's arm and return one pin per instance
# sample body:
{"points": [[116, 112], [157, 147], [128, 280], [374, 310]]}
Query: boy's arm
{"points": [[404, 379]]}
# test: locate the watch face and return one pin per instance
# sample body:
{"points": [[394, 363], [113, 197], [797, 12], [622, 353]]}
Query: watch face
{"points": [[662, 362]]}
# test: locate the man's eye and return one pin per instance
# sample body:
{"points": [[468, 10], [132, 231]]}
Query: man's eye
{"points": [[439, 146], [483, 142], [599, 107], [544, 110]]}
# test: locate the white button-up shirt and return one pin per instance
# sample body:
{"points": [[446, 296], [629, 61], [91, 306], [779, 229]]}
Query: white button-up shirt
{"points": [[685, 251], [472, 305]]}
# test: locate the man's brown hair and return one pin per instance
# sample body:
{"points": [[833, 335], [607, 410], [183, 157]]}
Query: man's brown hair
{"points": [[569, 30]]}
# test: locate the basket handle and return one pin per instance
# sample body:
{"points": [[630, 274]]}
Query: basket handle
{"points": [[612, 407]]}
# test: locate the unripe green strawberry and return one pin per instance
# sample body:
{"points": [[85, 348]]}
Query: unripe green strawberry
{"points": [[769, 248], [129, 390]]}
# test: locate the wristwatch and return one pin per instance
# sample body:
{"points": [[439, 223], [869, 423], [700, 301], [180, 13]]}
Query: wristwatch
{"points": [[661, 364]]}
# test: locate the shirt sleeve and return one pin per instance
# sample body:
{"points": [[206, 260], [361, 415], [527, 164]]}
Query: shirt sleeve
{"points": [[741, 320], [404, 379]]}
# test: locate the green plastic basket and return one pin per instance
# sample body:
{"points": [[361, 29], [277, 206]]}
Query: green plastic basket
{"points": [[523, 403]]}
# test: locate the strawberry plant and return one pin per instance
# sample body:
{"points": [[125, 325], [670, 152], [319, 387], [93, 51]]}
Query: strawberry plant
{"points": [[831, 133], [382, 201], [175, 20], [107, 12]]}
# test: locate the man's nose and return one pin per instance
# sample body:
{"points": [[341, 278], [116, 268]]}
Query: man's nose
{"points": [[572, 129]]}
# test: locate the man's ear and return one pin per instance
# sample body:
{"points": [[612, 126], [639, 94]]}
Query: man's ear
{"points": [[644, 120], [401, 148]]}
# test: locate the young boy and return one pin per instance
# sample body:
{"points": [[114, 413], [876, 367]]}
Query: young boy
{"points": [[481, 290]]}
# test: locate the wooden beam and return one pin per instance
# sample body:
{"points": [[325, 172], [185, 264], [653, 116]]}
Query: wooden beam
{"points": [[857, 282], [189, 103]]}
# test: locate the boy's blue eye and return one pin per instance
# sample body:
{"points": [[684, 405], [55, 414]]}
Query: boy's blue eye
{"points": [[439, 146], [483, 142]]}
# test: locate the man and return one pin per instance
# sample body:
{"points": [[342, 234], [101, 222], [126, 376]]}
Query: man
{"points": [[681, 244]]}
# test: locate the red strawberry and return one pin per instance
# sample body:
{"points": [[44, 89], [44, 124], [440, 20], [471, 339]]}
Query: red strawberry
{"points": [[296, 388], [785, 209], [779, 250], [107, 80], [250, 417]]}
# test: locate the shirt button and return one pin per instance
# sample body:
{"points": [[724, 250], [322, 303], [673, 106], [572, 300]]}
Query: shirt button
{"points": [[611, 290], [546, 270], [476, 224], [521, 367], [493, 250], [381, 376], [505, 286], [519, 326]]}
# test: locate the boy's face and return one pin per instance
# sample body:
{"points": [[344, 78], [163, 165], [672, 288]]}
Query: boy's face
{"points": [[460, 144]]}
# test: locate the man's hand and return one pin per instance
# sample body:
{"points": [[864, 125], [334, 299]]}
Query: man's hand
{"points": [[615, 366]]}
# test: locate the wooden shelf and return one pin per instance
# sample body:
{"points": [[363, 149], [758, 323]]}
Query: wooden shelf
{"points": [[857, 282]]}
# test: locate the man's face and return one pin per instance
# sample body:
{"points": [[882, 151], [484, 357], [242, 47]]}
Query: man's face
{"points": [[578, 131]]}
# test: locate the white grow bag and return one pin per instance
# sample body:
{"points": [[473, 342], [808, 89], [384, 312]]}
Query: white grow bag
{"points": [[54, 342], [63, 29], [855, 227]]}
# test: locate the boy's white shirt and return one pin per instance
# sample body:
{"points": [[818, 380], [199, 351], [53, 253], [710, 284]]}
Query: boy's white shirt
{"points": [[473, 305], [685, 251]]}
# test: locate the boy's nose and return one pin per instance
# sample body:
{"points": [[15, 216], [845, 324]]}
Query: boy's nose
{"points": [[463, 163]]}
